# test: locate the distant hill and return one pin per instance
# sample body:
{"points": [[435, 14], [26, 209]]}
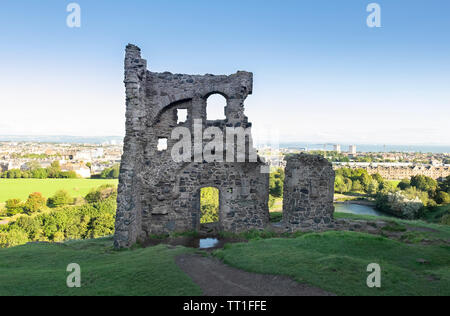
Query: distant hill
{"points": [[63, 139]]}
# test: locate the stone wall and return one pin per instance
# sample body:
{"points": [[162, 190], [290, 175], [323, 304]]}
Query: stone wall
{"points": [[308, 192], [159, 195]]}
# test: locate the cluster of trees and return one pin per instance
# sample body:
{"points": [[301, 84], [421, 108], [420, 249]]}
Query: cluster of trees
{"points": [[36, 202], [359, 181], [430, 191], [414, 197], [90, 220], [109, 173], [35, 171]]}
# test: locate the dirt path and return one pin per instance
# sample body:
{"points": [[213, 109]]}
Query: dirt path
{"points": [[218, 279], [4, 222]]}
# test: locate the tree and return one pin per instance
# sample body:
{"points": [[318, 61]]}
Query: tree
{"points": [[13, 238], [101, 193], [442, 197], [276, 182], [424, 183], [404, 184], [377, 177], [357, 186], [372, 188], [39, 173], [365, 180], [35, 202], [387, 187], [54, 170], [61, 198], [13, 207], [111, 173], [445, 185], [14, 174], [339, 184], [68, 175]]}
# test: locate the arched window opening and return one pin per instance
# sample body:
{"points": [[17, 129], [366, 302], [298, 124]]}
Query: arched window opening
{"points": [[209, 205], [215, 107]]}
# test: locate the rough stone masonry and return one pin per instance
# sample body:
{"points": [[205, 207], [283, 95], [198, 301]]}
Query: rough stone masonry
{"points": [[158, 195], [308, 193]]}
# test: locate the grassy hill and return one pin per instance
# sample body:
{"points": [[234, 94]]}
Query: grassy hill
{"points": [[333, 261], [337, 262], [21, 188], [40, 269]]}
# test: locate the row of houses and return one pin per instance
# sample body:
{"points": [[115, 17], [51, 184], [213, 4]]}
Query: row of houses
{"points": [[80, 168], [399, 171]]}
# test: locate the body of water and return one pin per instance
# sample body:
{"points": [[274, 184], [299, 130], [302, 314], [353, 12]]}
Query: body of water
{"points": [[374, 147], [358, 209]]}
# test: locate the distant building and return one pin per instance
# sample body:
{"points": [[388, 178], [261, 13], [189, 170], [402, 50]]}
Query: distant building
{"points": [[352, 149], [337, 148], [84, 155], [398, 171], [97, 153], [80, 169]]}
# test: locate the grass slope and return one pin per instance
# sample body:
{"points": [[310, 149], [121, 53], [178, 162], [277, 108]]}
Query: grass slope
{"points": [[333, 261], [40, 269], [337, 262], [21, 188]]}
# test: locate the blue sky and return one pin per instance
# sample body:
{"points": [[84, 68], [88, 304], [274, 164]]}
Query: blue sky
{"points": [[321, 75]]}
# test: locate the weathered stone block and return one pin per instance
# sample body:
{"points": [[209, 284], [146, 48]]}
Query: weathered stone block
{"points": [[313, 177]]}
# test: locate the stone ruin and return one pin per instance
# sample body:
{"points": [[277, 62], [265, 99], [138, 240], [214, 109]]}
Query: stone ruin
{"points": [[308, 192], [159, 195]]}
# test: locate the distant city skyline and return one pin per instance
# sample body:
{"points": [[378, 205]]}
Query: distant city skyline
{"points": [[320, 74]]}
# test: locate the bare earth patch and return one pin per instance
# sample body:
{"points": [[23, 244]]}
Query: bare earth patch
{"points": [[218, 279]]}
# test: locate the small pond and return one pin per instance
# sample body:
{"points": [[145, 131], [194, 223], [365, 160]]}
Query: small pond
{"points": [[358, 209]]}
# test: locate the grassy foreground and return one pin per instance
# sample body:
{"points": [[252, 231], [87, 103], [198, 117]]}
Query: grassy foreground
{"points": [[21, 188], [337, 262], [333, 261], [40, 269]]}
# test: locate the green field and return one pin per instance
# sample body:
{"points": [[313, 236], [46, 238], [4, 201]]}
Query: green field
{"points": [[21, 188]]}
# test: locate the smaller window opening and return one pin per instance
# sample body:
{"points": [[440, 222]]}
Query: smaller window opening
{"points": [[182, 115], [162, 144]]}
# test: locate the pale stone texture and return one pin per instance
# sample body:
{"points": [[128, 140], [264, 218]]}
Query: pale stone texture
{"points": [[308, 193], [158, 195]]}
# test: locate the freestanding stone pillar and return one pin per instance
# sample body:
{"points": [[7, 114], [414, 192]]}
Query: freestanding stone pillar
{"points": [[308, 192]]}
